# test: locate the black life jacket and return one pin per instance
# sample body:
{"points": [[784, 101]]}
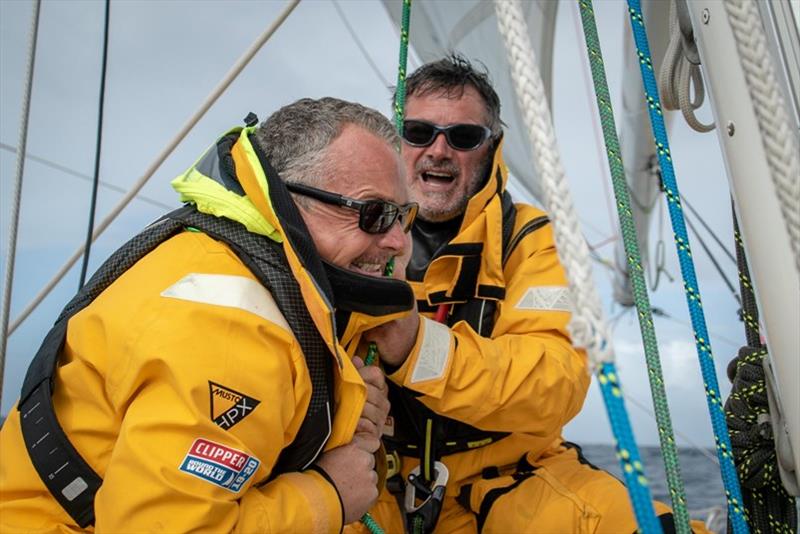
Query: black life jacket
{"points": [[68, 477], [412, 420]]}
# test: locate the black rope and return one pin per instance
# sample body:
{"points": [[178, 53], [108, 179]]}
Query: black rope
{"points": [[769, 507], [96, 180]]}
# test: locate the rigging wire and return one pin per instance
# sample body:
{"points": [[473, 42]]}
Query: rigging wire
{"points": [[354, 36], [708, 229], [231, 75], [96, 180], [14, 225], [693, 444], [76, 174], [714, 261]]}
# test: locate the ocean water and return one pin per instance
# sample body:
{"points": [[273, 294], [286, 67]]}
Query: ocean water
{"points": [[702, 480]]}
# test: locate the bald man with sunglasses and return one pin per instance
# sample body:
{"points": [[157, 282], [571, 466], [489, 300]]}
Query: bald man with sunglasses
{"points": [[478, 406]]}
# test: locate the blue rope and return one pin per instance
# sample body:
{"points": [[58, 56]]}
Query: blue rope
{"points": [[730, 481], [627, 451]]}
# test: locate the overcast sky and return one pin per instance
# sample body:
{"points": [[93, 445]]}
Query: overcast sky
{"points": [[165, 57]]}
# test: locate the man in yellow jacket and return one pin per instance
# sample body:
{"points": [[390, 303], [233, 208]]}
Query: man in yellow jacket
{"points": [[476, 415], [206, 375]]}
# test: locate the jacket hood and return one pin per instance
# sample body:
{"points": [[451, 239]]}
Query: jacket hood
{"points": [[233, 179], [219, 185]]}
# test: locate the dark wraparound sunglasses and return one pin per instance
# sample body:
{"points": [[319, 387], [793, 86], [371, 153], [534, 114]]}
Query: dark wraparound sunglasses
{"points": [[459, 136], [374, 216]]}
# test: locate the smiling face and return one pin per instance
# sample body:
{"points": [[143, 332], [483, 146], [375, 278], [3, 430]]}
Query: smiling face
{"points": [[442, 179], [363, 166]]}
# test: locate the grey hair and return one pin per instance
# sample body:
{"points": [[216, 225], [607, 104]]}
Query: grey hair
{"points": [[295, 138]]}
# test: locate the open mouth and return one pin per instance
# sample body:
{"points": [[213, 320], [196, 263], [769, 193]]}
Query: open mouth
{"points": [[436, 177]]}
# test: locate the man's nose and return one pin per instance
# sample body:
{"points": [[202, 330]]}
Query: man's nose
{"points": [[395, 238], [439, 147]]}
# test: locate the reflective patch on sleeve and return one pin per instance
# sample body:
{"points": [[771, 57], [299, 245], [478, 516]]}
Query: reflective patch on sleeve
{"points": [[546, 298], [434, 352], [228, 291]]}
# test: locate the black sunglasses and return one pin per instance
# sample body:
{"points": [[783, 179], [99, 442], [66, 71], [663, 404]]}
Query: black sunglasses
{"points": [[374, 216], [459, 136]]}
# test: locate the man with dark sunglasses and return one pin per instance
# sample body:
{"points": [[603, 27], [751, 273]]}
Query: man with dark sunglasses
{"points": [[206, 378], [474, 434]]}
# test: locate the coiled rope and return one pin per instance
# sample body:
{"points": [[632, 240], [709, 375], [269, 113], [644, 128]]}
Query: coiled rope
{"points": [[587, 326], [779, 138], [638, 284], [770, 508], [678, 74], [730, 481]]}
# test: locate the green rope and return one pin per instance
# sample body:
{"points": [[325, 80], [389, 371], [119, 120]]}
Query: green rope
{"points": [[400, 93], [399, 112], [372, 354], [665, 432]]}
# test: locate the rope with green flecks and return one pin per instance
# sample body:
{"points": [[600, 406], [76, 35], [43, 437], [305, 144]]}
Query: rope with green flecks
{"points": [[768, 505], [369, 359], [400, 93], [639, 286], [733, 492]]}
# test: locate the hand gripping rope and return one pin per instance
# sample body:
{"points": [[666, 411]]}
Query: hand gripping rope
{"points": [[723, 445]]}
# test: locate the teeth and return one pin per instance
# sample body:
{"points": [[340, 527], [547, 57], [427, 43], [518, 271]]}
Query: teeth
{"points": [[369, 267]]}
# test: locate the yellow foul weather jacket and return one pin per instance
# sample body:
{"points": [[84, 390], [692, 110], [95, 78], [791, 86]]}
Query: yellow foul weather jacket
{"points": [[521, 381], [182, 382]]}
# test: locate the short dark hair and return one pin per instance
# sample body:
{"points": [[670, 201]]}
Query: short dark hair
{"points": [[450, 76]]}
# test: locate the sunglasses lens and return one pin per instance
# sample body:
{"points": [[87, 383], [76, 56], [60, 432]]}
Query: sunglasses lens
{"points": [[466, 136], [418, 133], [377, 217]]}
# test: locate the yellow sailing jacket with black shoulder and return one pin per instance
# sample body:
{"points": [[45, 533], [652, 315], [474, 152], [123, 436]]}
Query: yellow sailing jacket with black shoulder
{"points": [[182, 384], [504, 378]]}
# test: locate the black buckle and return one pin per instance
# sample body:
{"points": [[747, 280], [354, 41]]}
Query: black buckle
{"points": [[422, 517]]}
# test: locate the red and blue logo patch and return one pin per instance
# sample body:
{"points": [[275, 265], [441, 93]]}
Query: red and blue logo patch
{"points": [[220, 465]]}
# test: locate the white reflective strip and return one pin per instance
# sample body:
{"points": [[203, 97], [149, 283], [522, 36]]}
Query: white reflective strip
{"points": [[229, 291], [74, 488], [434, 352], [548, 298]]}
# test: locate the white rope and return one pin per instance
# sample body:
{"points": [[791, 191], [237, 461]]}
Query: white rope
{"points": [[780, 142], [14, 225], [209, 101], [587, 326], [678, 74]]}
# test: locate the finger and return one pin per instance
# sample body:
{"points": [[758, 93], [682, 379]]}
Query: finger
{"points": [[366, 442], [358, 362], [373, 375], [365, 426], [378, 397]]}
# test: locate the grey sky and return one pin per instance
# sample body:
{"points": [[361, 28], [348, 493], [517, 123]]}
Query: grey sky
{"points": [[165, 57]]}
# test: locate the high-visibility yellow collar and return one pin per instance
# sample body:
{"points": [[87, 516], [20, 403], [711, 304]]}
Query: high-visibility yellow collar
{"points": [[470, 265]]}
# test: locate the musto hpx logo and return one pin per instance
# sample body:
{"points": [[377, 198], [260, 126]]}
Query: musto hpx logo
{"points": [[218, 464]]}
